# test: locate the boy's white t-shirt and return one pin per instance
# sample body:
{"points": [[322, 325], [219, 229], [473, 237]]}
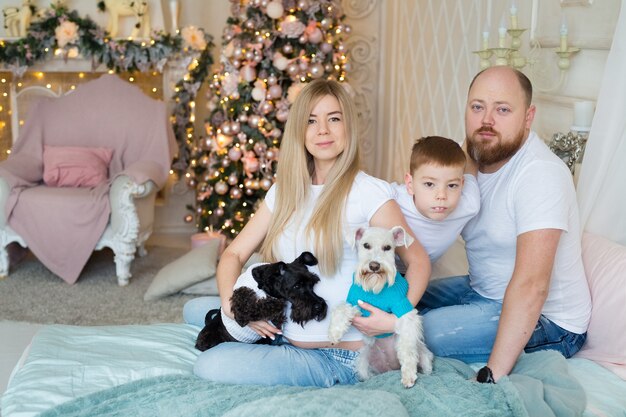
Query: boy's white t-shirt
{"points": [[367, 195], [436, 236], [533, 191]]}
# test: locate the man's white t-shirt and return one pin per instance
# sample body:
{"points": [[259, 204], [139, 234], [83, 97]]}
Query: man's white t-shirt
{"points": [[436, 236], [533, 191], [367, 195]]}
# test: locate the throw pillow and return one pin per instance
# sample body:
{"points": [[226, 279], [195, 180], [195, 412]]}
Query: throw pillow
{"points": [[605, 263], [196, 265], [71, 166]]}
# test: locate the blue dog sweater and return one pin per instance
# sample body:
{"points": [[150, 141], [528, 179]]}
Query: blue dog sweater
{"points": [[390, 299]]}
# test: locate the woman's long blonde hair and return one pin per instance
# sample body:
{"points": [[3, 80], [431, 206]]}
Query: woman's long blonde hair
{"points": [[296, 168]]}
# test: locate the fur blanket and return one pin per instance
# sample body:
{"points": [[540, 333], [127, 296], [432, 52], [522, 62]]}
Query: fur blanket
{"points": [[540, 385]]}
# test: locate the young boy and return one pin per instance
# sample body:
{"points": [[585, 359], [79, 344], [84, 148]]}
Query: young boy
{"points": [[439, 195]]}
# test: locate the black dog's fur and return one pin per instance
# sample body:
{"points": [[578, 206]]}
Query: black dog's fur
{"points": [[281, 282]]}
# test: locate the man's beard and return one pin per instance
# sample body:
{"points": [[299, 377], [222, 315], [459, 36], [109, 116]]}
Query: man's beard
{"points": [[490, 153]]}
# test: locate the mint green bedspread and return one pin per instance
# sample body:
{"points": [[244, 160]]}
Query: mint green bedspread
{"points": [[540, 385]]}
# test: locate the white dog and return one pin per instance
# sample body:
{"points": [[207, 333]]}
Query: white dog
{"points": [[377, 282]]}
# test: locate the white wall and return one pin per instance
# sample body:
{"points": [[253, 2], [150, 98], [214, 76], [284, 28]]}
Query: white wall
{"points": [[428, 63]]}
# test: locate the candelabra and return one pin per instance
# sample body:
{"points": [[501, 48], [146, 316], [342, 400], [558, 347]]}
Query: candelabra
{"points": [[511, 54]]}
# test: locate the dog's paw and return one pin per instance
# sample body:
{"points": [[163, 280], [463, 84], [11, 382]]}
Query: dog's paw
{"points": [[408, 378]]}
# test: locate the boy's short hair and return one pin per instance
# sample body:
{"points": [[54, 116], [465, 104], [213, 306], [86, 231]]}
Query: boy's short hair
{"points": [[436, 150]]}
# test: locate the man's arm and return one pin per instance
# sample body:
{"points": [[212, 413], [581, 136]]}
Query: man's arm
{"points": [[524, 297]]}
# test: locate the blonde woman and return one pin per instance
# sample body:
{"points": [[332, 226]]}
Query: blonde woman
{"points": [[319, 198]]}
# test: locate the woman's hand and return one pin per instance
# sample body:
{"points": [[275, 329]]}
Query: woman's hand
{"points": [[378, 322], [264, 329]]}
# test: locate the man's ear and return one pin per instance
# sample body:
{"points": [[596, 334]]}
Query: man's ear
{"points": [[408, 181]]}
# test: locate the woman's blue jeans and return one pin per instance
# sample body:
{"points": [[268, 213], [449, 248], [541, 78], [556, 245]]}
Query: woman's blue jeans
{"points": [[280, 363], [460, 323]]}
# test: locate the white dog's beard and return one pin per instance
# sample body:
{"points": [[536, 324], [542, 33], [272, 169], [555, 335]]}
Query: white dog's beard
{"points": [[373, 281]]}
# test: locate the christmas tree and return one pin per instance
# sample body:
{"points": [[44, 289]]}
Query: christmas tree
{"points": [[271, 49]]}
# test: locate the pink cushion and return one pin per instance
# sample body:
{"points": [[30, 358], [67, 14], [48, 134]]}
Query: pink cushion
{"points": [[72, 166], [605, 266]]}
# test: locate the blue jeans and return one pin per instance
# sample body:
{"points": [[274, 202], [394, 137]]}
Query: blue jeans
{"points": [[460, 323], [280, 363]]}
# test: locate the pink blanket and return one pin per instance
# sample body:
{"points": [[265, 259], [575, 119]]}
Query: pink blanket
{"points": [[61, 226]]}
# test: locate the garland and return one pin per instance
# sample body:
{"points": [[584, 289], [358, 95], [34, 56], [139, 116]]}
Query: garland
{"points": [[63, 29]]}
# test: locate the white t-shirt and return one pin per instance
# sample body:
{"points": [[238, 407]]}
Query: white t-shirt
{"points": [[367, 195], [438, 235], [533, 191]]}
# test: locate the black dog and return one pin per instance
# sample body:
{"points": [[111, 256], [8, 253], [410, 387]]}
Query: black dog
{"points": [[282, 282]]}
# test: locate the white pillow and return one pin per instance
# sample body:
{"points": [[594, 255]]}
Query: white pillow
{"points": [[605, 267], [209, 286], [196, 265]]}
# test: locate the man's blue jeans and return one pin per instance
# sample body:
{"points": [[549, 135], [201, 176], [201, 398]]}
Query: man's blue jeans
{"points": [[280, 363], [460, 323]]}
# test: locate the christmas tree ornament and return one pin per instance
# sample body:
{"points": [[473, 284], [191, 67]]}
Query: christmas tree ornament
{"points": [[233, 179], [234, 153], [274, 9], [221, 187]]}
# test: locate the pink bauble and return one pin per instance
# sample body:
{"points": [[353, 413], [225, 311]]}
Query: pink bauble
{"points": [[266, 183], [253, 121], [233, 179], [316, 36], [293, 69], [235, 193], [316, 70], [275, 90], [274, 9], [226, 128], [282, 115], [258, 94], [271, 80], [219, 211], [221, 187], [234, 153], [259, 148], [235, 127], [248, 72], [326, 47], [266, 107], [287, 48]]}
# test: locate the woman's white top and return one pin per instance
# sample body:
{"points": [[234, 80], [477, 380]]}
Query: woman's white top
{"points": [[367, 195]]}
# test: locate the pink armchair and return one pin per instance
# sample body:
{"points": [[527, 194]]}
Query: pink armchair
{"points": [[63, 210]]}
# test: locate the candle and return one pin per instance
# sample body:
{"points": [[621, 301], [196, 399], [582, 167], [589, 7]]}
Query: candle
{"points": [[485, 38], [513, 11], [583, 115], [502, 34], [174, 11], [563, 47]]}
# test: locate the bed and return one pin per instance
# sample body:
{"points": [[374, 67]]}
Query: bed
{"points": [[146, 370]]}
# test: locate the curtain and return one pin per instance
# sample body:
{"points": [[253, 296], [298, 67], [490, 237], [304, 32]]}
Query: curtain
{"points": [[602, 183]]}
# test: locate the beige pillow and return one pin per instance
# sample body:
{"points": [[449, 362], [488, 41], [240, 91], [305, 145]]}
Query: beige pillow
{"points": [[196, 265]]}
